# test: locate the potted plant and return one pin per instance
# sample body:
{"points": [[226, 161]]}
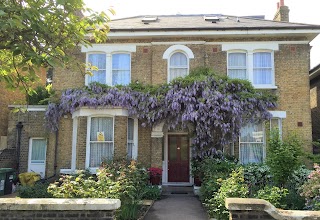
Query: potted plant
{"points": [[155, 175]]}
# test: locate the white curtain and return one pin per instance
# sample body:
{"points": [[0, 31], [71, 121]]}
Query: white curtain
{"points": [[120, 69], [38, 154], [130, 137], [262, 68], [101, 150], [178, 66], [99, 61], [237, 65], [251, 143]]}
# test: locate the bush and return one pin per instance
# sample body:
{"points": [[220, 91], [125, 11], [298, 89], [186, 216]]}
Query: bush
{"points": [[118, 179], [257, 176], [311, 190], [151, 192], [233, 187], [283, 157], [38, 190], [214, 171], [274, 195]]}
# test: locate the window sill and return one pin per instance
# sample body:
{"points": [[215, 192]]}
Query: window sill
{"points": [[265, 87]]}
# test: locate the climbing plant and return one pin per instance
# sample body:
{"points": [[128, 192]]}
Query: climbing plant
{"points": [[214, 106]]}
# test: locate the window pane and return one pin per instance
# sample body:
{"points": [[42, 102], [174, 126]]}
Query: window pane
{"points": [[237, 74], [104, 125], [98, 76], [251, 153], [130, 128], [237, 60], [252, 132], [178, 60], [97, 60], [262, 59], [177, 72], [38, 150], [100, 152], [120, 77], [262, 76]]}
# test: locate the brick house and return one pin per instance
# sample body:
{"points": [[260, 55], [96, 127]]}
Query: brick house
{"points": [[315, 101], [273, 55]]}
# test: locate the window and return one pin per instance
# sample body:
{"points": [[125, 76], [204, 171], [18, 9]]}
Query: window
{"points": [[101, 140], [38, 152], [262, 68], [178, 66], [119, 73], [252, 141], [120, 69], [130, 146], [237, 65]]}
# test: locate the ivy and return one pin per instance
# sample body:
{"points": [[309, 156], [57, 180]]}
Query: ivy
{"points": [[214, 106]]}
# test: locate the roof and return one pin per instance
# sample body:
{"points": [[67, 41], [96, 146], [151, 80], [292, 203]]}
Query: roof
{"points": [[197, 22], [314, 72], [196, 25]]}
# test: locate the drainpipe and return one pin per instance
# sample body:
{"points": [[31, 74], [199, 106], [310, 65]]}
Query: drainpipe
{"points": [[19, 127], [55, 153]]}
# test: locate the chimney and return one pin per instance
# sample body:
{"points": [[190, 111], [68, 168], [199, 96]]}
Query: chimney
{"points": [[282, 13]]}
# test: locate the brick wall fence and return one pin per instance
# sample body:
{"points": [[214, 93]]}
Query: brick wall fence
{"points": [[62, 209], [246, 209]]}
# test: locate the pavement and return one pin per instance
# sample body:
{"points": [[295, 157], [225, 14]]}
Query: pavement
{"points": [[175, 206]]}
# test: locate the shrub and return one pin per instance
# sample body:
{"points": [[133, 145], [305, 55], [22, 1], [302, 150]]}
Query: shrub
{"points": [[257, 176], [38, 190], [214, 171], [283, 157], [274, 195], [151, 192], [311, 189], [234, 186]]}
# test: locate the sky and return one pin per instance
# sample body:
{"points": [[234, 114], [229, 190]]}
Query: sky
{"points": [[301, 11]]}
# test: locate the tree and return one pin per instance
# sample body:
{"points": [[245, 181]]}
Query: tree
{"points": [[43, 33]]}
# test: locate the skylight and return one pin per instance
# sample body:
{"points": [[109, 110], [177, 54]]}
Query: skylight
{"points": [[149, 19], [211, 18]]}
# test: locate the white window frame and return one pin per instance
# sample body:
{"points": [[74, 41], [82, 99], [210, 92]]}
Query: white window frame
{"points": [[174, 49], [177, 67], [88, 142], [109, 69], [30, 153], [135, 138], [263, 86], [237, 51]]}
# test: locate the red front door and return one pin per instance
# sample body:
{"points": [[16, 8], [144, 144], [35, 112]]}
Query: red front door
{"points": [[178, 158]]}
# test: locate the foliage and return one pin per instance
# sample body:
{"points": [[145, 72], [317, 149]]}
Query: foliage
{"points": [[129, 211], [40, 95], [232, 187], [283, 156], [151, 192], [155, 171], [117, 179], [274, 195], [311, 189], [38, 190], [44, 34], [215, 106], [257, 176], [214, 170]]}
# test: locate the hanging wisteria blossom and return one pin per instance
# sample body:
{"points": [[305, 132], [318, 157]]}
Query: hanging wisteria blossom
{"points": [[215, 107]]}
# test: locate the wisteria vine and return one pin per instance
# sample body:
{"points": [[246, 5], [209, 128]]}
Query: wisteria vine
{"points": [[215, 107]]}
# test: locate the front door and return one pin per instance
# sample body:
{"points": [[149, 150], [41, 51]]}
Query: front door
{"points": [[37, 156], [178, 158]]}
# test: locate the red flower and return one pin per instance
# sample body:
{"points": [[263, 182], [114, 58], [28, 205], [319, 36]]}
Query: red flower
{"points": [[154, 171]]}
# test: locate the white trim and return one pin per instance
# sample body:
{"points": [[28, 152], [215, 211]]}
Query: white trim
{"points": [[178, 42], [74, 143], [110, 48], [178, 48], [278, 114], [85, 111], [249, 46], [66, 171], [136, 34], [31, 108]]}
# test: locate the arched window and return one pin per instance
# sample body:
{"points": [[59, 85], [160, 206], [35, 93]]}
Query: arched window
{"points": [[178, 66]]}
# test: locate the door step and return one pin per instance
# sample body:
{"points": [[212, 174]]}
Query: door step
{"points": [[177, 190]]}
